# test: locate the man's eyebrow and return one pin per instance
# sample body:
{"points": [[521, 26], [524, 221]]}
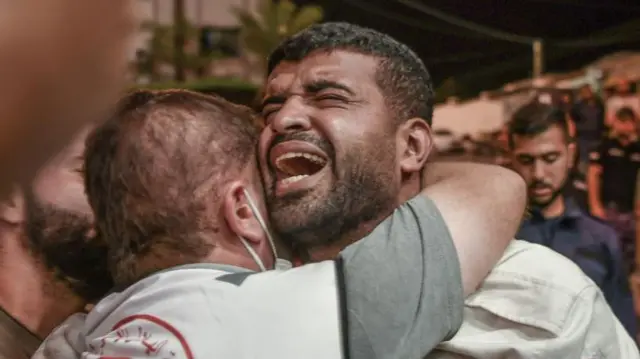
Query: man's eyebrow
{"points": [[311, 87], [319, 85], [272, 100]]}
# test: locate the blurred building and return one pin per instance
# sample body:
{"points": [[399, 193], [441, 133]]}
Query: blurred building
{"points": [[492, 109], [216, 15]]}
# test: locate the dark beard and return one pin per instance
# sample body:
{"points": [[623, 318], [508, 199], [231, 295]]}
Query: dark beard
{"points": [[554, 195], [362, 194], [61, 239]]}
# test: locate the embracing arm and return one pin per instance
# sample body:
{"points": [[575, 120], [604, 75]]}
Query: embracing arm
{"points": [[482, 206], [404, 282]]}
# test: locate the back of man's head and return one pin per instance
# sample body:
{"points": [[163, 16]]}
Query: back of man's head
{"points": [[154, 172], [401, 75]]}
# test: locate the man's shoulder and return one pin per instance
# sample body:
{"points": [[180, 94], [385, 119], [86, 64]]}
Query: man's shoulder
{"points": [[598, 229], [540, 304], [533, 286], [176, 292], [541, 266]]}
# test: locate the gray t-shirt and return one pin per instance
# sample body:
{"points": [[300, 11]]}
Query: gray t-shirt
{"points": [[418, 286]]}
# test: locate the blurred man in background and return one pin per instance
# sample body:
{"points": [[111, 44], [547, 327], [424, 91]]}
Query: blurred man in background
{"points": [[612, 179], [588, 115], [63, 62], [51, 265], [543, 155], [621, 97]]}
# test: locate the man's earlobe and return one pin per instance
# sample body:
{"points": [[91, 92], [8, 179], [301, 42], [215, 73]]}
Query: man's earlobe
{"points": [[416, 143], [12, 210]]}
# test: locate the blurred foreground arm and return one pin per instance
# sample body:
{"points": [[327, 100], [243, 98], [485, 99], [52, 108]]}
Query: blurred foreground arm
{"points": [[63, 63], [482, 206]]}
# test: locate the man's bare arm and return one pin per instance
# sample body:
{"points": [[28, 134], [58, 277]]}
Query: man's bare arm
{"points": [[593, 190], [482, 206]]}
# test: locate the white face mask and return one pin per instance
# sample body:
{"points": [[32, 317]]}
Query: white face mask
{"points": [[280, 264]]}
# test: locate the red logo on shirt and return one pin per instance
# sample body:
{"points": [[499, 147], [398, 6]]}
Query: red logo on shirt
{"points": [[142, 335]]}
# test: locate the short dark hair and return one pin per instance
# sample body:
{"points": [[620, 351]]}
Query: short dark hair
{"points": [[154, 170], [535, 118], [401, 75], [625, 114]]}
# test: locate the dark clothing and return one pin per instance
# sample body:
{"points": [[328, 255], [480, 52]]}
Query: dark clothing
{"points": [[589, 119], [576, 190], [594, 247], [16, 341], [620, 164], [625, 226]]}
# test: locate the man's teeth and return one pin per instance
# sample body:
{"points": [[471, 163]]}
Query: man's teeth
{"points": [[293, 179], [309, 156]]}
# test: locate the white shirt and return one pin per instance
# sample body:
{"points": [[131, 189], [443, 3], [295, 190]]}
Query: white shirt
{"points": [[538, 304], [187, 313]]}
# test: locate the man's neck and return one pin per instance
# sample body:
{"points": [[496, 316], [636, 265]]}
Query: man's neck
{"points": [[30, 294], [554, 209], [332, 250]]}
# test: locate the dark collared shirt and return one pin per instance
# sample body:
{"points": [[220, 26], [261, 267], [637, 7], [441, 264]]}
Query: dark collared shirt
{"points": [[594, 247]]}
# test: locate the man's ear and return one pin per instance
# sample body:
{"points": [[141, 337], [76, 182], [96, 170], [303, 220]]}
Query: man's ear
{"points": [[415, 144], [238, 214], [12, 210]]}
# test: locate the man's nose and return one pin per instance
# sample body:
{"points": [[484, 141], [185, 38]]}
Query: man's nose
{"points": [[538, 170], [291, 118]]}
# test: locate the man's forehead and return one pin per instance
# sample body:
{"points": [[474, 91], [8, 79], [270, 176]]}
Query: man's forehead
{"points": [[344, 67], [536, 145]]}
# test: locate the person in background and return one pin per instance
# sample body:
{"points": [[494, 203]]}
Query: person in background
{"points": [[621, 97], [588, 115], [611, 179], [50, 264], [543, 153]]}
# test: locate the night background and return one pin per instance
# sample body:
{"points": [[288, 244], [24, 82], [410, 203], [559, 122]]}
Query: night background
{"points": [[478, 62]]}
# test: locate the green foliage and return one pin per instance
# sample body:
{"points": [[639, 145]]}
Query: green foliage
{"points": [[273, 22], [162, 49]]}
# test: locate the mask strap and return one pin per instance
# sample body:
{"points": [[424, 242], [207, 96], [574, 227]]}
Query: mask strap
{"points": [[253, 254], [262, 223]]}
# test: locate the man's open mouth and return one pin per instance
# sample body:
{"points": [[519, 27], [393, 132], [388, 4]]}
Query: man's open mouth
{"points": [[295, 166], [295, 161]]}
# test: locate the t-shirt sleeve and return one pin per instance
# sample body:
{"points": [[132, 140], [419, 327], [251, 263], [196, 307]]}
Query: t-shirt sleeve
{"points": [[402, 285]]}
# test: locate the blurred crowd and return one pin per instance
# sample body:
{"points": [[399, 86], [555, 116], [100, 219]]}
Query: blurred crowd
{"points": [[579, 153]]}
